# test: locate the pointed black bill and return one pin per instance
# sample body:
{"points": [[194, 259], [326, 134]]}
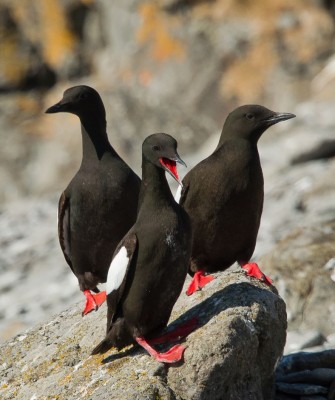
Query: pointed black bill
{"points": [[59, 107], [54, 109], [177, 159], [278, 117]]}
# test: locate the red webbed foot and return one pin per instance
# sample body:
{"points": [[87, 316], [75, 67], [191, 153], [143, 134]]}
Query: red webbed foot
{"points": [[93, 301], [173, 355], [199, 280], [253, 269], [178, 333]]}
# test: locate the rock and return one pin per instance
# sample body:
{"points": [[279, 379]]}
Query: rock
{"points": [[177, 66], [231, 355], [145, 42], [300, 388], [297, 340], [166, 65], [318, 376], [331, 394], [35, 280], [283, 396], [39, 60], [306, 361], [297, 266], [316, 397], [326, 149], [331, 340]]}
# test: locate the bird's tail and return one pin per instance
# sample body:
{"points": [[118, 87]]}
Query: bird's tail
{"points": [[103, 346], [118, 336]]}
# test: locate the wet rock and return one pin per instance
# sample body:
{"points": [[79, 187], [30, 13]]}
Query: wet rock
{"points": [[306, 361], [317, 397], [283, 396], [331, 394], [300, 388], [321, 376]]}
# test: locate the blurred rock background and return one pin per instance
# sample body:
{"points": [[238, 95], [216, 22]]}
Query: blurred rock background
{"points": [[179, 67]]}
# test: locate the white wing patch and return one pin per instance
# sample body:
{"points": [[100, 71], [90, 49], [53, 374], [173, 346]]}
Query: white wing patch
{"points": [[178, 194], [117, 270]]}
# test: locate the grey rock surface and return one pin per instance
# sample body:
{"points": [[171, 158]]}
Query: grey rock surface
{"points": [[298, 340], [177, 67], [307, 286], [35, 281], [232, 355]]}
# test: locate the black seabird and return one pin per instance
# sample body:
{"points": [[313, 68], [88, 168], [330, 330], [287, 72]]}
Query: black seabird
{"points": [[150, 264], [223, 196], [100, 204]]}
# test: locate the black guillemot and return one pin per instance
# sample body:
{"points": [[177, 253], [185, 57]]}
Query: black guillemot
{"points": [[223, 196], [150, 264], [100, 203]]}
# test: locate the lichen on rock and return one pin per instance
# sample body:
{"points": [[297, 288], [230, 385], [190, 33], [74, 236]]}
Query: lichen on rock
{"points": [[232, 354]]}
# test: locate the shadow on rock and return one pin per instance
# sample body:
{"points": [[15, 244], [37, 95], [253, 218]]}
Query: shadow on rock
{"points": [[231, 296]]}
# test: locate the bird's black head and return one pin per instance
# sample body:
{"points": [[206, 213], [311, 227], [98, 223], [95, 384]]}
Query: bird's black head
{"points": [[250, 121], [161, 150], [79, 100]]}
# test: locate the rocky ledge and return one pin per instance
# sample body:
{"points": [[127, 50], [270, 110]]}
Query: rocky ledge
{"points": [[231, 355]]}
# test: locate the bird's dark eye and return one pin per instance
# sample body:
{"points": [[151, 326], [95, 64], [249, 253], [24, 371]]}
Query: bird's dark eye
{"points": [[155, 147], [249, 116], [84, 96]]}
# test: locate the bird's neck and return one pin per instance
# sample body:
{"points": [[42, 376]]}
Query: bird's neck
{"points": [[155, 190], [225, 138], [94, 138]]}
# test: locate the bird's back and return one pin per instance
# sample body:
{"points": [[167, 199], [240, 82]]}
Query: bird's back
{"points": [[224, 198], [103, 205]]}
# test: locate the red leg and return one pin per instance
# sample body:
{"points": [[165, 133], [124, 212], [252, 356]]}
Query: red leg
{"points": [[198, 282], [171, 356], [93, 301], [179, 333], [252, 269]]}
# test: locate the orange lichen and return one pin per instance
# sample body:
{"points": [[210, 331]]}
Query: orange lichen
{"points": [[125, 74], [261, 10], [28, 105], [145, 77], [58, 41], [47, 28], [253, 68], [269, 23], [13, 63], [155, 32]]}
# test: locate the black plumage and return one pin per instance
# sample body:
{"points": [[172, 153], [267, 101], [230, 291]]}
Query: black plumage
{"points": [[100, 203], [223, 196], [150, 264]]}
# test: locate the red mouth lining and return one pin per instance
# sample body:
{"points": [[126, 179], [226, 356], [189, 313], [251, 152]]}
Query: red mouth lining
{"points": [[171, 166]]}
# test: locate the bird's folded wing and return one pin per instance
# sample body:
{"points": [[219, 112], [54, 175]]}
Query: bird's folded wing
{"points": [[118, 271], [64, 227]]}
